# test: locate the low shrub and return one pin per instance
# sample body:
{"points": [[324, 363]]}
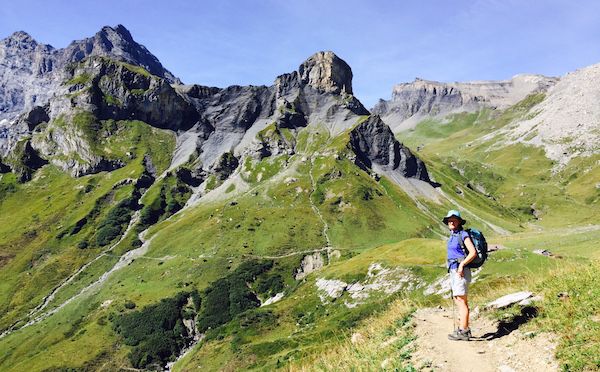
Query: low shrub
{"points": [[115, 222], [156, 332]]}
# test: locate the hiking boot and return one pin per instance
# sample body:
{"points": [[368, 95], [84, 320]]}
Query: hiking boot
{"points": [[460, 335]]}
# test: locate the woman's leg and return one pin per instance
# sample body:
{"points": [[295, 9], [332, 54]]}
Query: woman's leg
{"points": [[463, 311]]}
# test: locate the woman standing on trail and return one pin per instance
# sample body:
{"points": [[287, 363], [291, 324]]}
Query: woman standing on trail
{"points": [[459, 244]]}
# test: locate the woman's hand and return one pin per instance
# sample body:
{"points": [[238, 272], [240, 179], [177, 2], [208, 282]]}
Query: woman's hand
{"points": [[460, 270]]}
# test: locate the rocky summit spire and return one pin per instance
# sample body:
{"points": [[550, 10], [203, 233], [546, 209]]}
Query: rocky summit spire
{"points": [[327, 72]]}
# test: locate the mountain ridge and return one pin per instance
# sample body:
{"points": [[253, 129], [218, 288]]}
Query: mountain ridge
{"points": [[414, 101], [32, 70]]}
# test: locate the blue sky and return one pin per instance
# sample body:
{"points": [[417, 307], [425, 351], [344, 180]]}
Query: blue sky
{"points": [[229, 42]]}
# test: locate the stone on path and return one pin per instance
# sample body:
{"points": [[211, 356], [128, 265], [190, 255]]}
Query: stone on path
{"points": [[509, 299]]}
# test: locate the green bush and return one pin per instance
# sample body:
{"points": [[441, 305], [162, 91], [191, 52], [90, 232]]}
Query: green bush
{"points": [[115, 222], [270, 285], [152, 212], [156, 332], [230, 296], [107, 234], [168, 202], [130, 305]]}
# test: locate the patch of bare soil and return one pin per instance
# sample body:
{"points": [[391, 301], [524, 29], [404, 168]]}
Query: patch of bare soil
{"points": [[496, 346]]}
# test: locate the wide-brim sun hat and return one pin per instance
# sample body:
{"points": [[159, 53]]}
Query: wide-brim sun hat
{"points": [[456, 214]]}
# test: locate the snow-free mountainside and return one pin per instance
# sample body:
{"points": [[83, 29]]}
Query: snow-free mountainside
{"points": [[147, 224]]}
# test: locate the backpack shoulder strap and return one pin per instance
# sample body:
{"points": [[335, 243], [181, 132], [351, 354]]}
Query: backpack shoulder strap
{"points": [[462, 242]]}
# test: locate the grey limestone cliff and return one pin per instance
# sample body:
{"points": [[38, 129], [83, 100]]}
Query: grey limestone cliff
{"points": [[424, 98], [318, 92]]}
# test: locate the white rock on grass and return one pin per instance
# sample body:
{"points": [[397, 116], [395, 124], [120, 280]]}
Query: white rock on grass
{"points": [[330, 288], [509, 299], [530, 300], [379, 279], [310, 263], [382, 279], [357, 338]]}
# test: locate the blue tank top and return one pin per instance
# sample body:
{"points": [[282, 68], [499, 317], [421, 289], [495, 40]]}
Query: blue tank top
{"points": [[454, 249]]}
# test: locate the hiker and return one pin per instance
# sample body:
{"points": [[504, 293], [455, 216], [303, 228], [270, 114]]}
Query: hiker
{"points": [[460, 274]]}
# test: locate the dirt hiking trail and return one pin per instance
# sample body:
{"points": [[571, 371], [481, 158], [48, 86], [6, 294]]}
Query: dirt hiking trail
{"points": [[494, 347]]}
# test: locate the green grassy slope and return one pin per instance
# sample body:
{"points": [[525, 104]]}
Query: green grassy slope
{"points": [[38, 242], [518, 177]]}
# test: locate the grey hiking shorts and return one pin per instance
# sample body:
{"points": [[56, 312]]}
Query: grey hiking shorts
{"points": [[460, 285]]}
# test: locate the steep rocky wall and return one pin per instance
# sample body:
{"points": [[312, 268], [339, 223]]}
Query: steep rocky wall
{"points": [[422, 98], [374, 142]]}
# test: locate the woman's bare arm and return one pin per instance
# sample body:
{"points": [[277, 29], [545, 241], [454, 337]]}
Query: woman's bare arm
{"points": [[470, 257]]}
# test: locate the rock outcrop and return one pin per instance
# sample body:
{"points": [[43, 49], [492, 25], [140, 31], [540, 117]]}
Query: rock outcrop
{"points": [[98, 89], [24, 161], [374, 142], [120, 91], [326, 72]]}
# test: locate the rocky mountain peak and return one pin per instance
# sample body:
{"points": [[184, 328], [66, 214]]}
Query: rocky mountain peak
{"points": [[117, 43], [327, 72], [119, 31], [31, 72], [20, 39]]}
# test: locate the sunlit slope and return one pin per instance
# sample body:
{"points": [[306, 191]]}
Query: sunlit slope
{"points": [[464, 151], [49, 227], [312, 196]]}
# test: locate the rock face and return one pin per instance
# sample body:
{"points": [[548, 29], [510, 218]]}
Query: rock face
{"points": [[99, 89], [118, 91], [326, 72], [24, 160], [31, 72], [26, 74], [374, 142], [430, 98]]}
